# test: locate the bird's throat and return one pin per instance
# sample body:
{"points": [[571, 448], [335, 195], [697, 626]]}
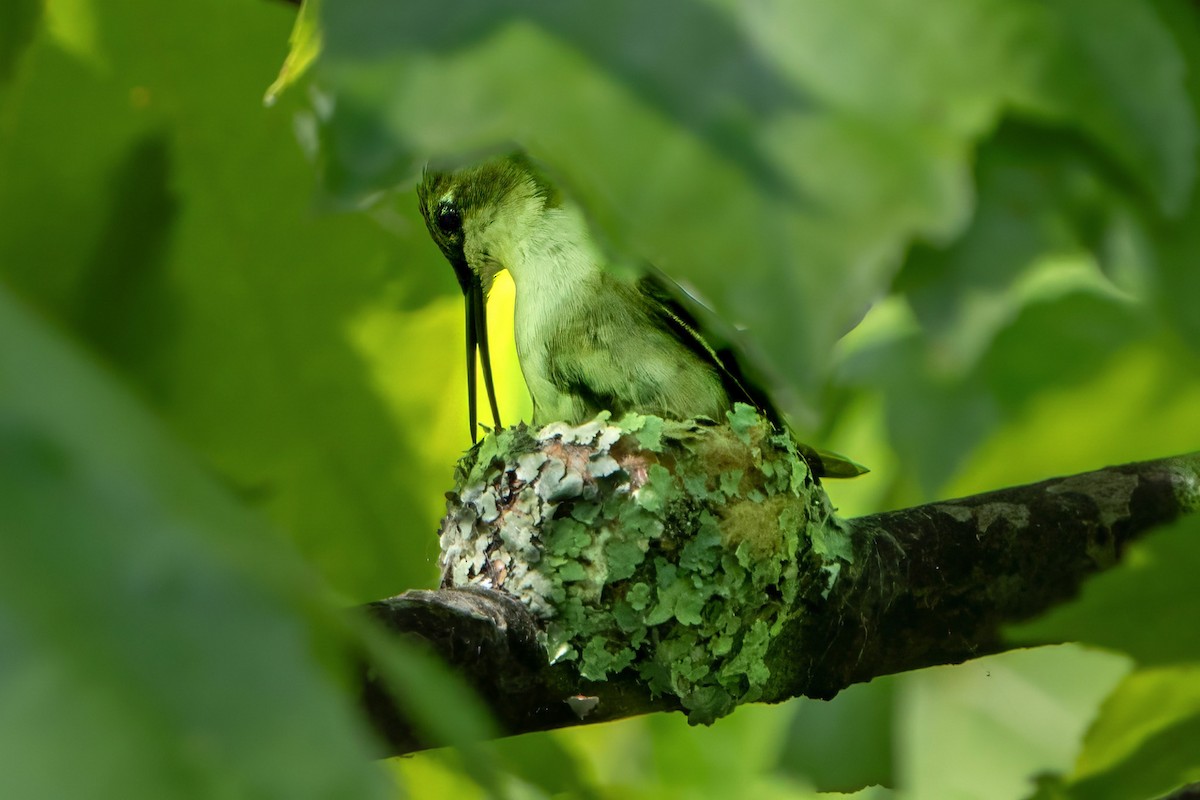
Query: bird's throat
{"points": [[555, 268], [556, 274]]}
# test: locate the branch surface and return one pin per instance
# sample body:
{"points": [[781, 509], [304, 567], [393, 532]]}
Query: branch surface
{"points": [[935, 585]]}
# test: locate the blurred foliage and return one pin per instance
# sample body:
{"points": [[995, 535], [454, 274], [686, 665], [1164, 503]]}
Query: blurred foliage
{"points": [[231, 391], [1145, 739], [143, 615], [845, 745]]}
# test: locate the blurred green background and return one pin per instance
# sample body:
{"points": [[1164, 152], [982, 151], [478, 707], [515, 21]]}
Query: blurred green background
{"points": [[230, 389]]}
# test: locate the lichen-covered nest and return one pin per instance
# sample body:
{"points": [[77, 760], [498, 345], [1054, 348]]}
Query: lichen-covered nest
{"points": [[677, 549]]}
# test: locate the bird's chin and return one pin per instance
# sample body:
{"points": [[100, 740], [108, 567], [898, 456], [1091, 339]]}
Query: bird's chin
{"points": [[487, 278]]}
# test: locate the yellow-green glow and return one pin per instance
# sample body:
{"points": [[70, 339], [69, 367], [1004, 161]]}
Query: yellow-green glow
{"points": [[1099, 422], [415, 362], [72, 23]]}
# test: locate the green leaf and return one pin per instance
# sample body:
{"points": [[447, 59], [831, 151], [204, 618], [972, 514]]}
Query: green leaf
{"points": [[938, 415], [1137, 607], [765, 140], [1088, 329], [270, 338], [1180, 280], [1143, 743], [1040, 195], [1178, 241], [717, 156], [1164, 762], [987, 726], [1147, 703], [305, 44], [933, 418], [141, 643], [1143, 117]]}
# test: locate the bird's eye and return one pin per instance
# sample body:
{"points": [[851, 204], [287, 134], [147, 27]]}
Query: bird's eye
{"points": [[449, 219]]}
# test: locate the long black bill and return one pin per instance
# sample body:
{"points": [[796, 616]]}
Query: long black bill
{"points": [[477, 341]]}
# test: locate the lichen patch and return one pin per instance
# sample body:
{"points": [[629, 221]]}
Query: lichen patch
{"points": [[1111, 491]]}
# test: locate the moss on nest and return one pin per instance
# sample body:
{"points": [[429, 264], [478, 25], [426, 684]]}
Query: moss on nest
{"points": [[676, 549]]}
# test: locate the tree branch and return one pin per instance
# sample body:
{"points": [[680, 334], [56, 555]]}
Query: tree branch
{"points": [[936, 585]]}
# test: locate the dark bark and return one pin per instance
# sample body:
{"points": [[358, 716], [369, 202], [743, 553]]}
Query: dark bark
{"points": [[933, 584], [943, 578], [489, 639]]}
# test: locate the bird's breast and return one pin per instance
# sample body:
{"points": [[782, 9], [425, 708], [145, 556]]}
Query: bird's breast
{"points": [[542, 327]]}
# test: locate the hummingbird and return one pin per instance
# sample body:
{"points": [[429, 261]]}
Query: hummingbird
{"points": [[587, 339]]}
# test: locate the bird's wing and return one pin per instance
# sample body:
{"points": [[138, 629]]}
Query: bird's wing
{"points": [[663, 297], [666, 301]]}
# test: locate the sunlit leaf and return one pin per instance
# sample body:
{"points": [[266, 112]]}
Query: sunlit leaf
{"points": [[1040, 198], [541, 760], [1143, 742], [1178, 240], [1146, 703], [1164, 762], [305, 45]]}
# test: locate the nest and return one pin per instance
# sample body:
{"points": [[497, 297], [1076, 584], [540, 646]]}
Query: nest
{"points": [[676, 549]]}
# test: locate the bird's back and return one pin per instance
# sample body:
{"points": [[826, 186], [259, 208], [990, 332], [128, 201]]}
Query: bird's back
{"points": [[623, 355]]}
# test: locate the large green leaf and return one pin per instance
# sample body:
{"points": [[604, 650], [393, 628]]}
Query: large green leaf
{"points": [[142, 654], [160, 213], [984, 728], [1143, 744], [1041, 196], [1177, 241], [1147, 703], [800, 147], [1141, 118], [705, 162]]}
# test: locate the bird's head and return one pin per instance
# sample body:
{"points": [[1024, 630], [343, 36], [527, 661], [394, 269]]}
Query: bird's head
{"points": [[482, 218]]}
